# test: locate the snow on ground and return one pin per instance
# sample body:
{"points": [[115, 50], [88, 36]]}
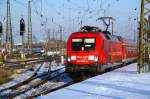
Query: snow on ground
{"points": [[49, 85], [123, 83], [25, 75], [47, 66]]}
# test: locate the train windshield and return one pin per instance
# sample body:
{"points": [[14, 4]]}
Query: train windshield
{"points": [[83, 44]]}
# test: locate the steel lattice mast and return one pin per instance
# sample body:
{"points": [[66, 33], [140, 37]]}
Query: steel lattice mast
{"points": [[144, 38], [29, 27], [9, 40]]}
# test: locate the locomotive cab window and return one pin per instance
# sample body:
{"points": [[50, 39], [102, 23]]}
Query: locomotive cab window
{"points": [[83, 44], [89, 43], [77, 44]]}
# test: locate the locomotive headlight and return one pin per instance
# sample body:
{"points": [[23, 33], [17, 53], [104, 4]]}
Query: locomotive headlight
{"points": [[96, 58], [69, 58], [91, 58], [73, 57]]}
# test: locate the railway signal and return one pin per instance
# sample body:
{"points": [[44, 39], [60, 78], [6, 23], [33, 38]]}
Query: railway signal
{"points": [[1, 28], [22, 30], [22, 27], [1, 32]]}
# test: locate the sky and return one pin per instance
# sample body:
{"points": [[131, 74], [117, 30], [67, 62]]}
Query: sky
{"points": [[50, 14]]}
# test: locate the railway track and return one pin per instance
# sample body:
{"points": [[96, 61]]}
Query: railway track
{"points": [[39, 84], [53, 84], [36, 83], [47, 85], [13, 69], [58, 84], [23, 82], [32, 82], [31, 61]]}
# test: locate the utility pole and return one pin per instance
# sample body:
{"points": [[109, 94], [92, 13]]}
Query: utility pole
{"points": [[81, 22], [29, 27], [61, 41], [144, 39], [48, 34], [54, 40], [48, 40], [112, 27], [9, 40], [135, 22]]}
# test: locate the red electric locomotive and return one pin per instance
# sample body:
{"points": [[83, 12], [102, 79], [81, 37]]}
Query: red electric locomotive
{"points": [[95, 50]]}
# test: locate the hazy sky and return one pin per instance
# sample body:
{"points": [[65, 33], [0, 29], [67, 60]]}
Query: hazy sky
{"points": [[69, 13]]}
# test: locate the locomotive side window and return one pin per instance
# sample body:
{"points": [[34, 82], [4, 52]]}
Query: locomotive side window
{"points": [[83, 44]]}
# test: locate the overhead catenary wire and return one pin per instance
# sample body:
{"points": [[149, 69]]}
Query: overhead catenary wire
{"points": [[88, 11]]}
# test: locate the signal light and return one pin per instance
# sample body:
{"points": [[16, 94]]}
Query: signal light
{"points": [[22, 26], [1, 28]]}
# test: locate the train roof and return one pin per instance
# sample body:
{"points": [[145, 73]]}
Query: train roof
{"points": [[107, 35], [90, 29], [96, 30]]}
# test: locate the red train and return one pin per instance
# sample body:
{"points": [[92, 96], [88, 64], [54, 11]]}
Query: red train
{"points": [[95, 50]]}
